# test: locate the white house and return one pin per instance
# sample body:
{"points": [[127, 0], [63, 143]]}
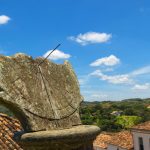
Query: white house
{"points": [[116, 113], [138, 138], [141, 136]]}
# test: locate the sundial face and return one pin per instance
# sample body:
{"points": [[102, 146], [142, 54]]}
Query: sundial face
{"points": [[49, 91]]}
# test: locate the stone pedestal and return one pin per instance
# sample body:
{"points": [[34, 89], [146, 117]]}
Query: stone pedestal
{"points": [[76, 138]]}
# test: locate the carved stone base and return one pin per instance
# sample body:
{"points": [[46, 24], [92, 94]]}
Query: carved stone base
{"points": [[76, 138]]}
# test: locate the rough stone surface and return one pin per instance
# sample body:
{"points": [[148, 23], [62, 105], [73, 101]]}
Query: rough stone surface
{"points": [[43, 97], [75, 138]]}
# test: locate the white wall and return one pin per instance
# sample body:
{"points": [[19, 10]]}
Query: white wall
{"points": [[112, 147], [122, 148], [146, 140]]}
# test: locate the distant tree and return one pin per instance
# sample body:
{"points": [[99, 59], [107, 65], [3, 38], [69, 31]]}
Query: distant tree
{"points": [[128, 121], [99, 113]]}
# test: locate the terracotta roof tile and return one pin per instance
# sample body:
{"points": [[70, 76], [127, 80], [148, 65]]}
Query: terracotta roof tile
{"points": [[102, 140], [123, 139], [8, 126], [142, 126]]}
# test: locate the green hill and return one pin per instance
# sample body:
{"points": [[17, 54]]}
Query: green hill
{"points": [[115, 115], [111, 115]]}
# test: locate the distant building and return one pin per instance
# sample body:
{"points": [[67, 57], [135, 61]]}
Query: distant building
{"points": [[116, 113], [116, 141], [141, 136], [121, 141], [136, 139]]}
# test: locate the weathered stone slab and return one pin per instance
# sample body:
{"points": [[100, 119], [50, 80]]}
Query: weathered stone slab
{"points": [[76, 138], [43, 97]]}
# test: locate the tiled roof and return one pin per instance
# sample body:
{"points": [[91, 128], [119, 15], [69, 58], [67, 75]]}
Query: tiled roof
{"points": [[8, 126], [142, 126], [123, 139], [102, 140]]}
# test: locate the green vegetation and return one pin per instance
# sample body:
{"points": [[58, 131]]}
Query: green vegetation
{"points": [[111, 116], [127, 121], [130, 112]]}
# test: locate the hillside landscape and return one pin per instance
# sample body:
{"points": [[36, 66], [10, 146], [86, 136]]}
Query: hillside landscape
{"points": [[114, 116], [111, 116]]}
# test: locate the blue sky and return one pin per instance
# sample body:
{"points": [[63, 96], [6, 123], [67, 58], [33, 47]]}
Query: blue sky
{"points": [[106, 41]]}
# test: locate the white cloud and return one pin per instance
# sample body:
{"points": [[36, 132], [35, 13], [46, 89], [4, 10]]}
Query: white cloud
{"points": [[95, 95], [140, 71], [4, 19], [108, 69], [107, 61], [124, 78], [91, 38], [115, 79], [133, 88], [56, 55], [99, 96], [83, 80], [138, 87]]}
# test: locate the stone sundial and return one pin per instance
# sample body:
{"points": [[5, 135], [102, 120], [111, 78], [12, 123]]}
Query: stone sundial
{"points": [[46, 100], [47, 96]]}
